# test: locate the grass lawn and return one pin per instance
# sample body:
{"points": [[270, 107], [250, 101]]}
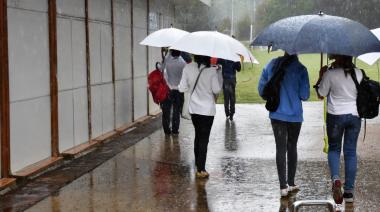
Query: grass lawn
{"points": [[248, 77]]}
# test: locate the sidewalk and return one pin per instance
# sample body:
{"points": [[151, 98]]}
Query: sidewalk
{"points": [[157, 173]]}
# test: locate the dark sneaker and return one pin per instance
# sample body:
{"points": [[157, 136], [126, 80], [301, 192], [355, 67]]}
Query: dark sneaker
{"points": [[348, 197], [231, 117], [337, 191]]}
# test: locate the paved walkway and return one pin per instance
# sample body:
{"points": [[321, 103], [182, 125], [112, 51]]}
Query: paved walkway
{"points": [[157, 173]]}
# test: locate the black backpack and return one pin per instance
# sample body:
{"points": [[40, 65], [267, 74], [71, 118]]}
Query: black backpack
{"points": [[271, 91], [368, 98]]}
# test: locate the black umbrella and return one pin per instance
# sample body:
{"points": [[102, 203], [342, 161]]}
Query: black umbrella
{"points": [[318, 34]]}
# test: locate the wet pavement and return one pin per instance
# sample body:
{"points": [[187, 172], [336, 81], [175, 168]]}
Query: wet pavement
{"points": [[157, 172]]}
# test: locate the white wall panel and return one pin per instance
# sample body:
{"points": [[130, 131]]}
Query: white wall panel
{"points": [[141, 4], [95, 34], [66, 120], [139, 17], [140, 68], [28, 54], [107, 108], [122, 12], [100, 10], [123, 102], [106, 52], [96, 113], [123, 69], [64, 53], [80, 116], [30, 132], [140, 97], [38, 5], [71, 8], [79, 53]]}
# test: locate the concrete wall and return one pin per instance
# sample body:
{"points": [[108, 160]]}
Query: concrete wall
{"points": [[123, 63], [29, 82], [72, 74], [114, 103]]}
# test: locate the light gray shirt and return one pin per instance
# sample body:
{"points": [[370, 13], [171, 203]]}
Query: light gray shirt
{"points": [[340, 90], [173, 68]]}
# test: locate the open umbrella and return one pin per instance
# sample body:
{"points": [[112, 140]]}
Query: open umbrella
{"points": [[319, 34], [163, 37], [371, 58], [214, 44]]}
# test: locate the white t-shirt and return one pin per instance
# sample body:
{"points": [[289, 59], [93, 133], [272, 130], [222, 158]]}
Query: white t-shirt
{"points": [[202, 101], [340, 90]]}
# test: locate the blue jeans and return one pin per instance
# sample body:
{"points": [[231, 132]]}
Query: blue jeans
{"points": [[349, 126]]}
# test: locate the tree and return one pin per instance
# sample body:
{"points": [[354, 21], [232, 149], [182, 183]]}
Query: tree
{"points": [[243, 28]]}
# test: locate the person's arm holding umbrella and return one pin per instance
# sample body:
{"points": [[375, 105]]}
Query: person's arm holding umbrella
{"points": [[323, 84], [322, 87], [304, 85]]}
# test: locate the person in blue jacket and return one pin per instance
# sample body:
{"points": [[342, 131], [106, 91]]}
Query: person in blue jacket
{"points": [[287, 119]]}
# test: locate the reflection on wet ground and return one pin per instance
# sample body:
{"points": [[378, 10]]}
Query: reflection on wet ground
{"points": [[157, 173]]}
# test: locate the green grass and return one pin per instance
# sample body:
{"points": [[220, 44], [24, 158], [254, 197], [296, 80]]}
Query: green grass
{"points": [[248, 77]]}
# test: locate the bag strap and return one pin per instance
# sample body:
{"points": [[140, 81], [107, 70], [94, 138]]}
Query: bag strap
{"points": [[355, 79], [196, 82]]}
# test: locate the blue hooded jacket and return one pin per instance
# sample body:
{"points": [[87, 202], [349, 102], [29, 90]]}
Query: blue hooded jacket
{"points": [[295, 88]]}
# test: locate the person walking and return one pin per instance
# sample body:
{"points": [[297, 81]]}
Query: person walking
{"points": [[287, 119], [173, 68], [229, 69], [204, 82], [342, 122]]}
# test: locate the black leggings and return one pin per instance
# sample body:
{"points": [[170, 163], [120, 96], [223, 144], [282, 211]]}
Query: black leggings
{"points": [[202, 125], [286, 137]]}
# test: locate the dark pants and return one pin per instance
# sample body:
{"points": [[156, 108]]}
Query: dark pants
{"points": [[286, 137], [202, 125], [229, 86], [175, 101]]}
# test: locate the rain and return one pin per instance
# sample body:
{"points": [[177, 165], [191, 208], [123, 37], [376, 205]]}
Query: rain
{"points": [[92, 121]]}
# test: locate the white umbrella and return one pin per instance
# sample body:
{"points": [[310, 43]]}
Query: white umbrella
{"points": [[213, 44], [163, 37], [371, 58]]}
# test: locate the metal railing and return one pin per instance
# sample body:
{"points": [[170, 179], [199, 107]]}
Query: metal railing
{"points": [[298, 204]]}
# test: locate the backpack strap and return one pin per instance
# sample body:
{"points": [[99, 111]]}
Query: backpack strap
{"points": [[196, 81], [354, 78]]}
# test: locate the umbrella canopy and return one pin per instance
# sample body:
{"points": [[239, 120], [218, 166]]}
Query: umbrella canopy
{"points": [[214, 44], [318, 34], [371, 58], [163, 37]]}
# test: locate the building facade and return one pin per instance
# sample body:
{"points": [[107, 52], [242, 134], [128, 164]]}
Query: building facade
{"points": [[72, 73]]}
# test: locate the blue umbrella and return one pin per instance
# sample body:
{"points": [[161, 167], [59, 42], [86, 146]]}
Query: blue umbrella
{"points": [[318, 34]]}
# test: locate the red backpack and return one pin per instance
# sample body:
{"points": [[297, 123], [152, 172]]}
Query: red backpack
{"points": [[157, 86]]}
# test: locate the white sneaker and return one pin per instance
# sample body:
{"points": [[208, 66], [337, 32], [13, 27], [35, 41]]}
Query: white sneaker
{"points": [[293, 188], [284, 192]]}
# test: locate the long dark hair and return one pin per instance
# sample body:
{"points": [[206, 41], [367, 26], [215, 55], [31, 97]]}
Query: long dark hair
{"points": [[202, 60], [347, 65]]}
